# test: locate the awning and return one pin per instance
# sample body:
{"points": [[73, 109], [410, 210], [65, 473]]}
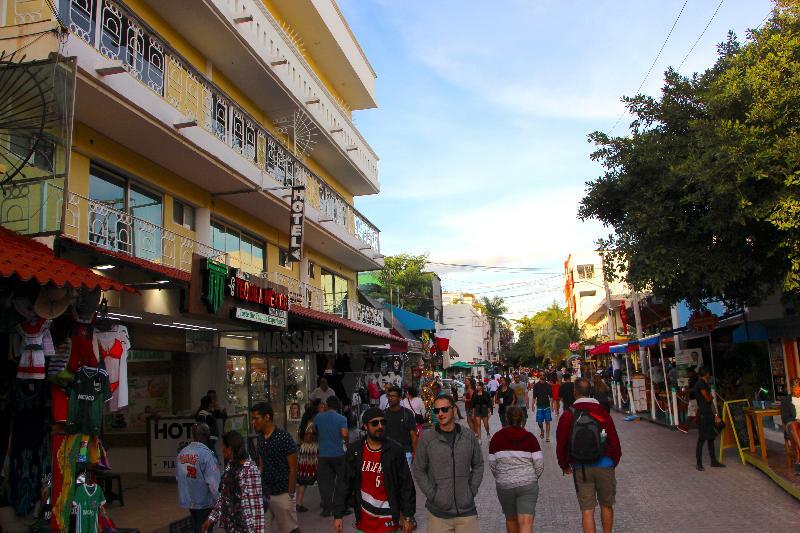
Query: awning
{"points": [[412, 321], [630, 346], [339, 322], [602, 348], [750, 332], [28, 259]]}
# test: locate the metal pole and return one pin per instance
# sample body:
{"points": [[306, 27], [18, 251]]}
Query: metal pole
{"points": [[713, 373], [673, 416], [652, 388]]}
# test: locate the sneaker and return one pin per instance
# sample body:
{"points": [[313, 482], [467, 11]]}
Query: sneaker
{"points": [[717, 464], [700, 467]]}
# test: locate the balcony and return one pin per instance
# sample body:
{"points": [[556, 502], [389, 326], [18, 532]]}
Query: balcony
{"points": [[257, 54], [225, 138], [119, 232]]}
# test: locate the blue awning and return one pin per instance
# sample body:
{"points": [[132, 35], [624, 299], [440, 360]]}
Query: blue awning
{"points": [[750, 332], [412, 321], [619, 348], [652, 340]]}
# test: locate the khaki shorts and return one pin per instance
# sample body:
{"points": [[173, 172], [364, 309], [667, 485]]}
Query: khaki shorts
{"points": [[281, 514], [600, 486]]}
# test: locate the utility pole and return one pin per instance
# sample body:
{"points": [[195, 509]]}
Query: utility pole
{"points": [[611, 317]]}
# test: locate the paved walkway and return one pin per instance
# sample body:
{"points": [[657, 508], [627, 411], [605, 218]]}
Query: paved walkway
{"points": [[658, 490]]}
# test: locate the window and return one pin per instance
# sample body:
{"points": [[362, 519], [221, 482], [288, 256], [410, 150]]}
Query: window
{"points": [[335, 290], [585, 271], [246, 252], [283, 258], [311, 268], [182, 214], [43, 157], [139, 235]]}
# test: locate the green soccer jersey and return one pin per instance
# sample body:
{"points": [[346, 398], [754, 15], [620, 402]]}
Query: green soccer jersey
{"points": [[88, 394], [87, 503]]}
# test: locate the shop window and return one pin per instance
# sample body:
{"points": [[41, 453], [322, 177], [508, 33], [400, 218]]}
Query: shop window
{"points": [[245, 251], [585, 271], [183, 214], [139, 235], [335, 292]]}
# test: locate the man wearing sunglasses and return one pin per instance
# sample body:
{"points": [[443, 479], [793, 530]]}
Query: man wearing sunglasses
{"points": [[377, 476], [448, 467]]}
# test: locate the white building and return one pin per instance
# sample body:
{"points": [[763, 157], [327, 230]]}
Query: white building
{"points": [[470, 331], [585, 292]]}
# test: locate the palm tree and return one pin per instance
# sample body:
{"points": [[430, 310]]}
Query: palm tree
{"points": [[494, 309]]}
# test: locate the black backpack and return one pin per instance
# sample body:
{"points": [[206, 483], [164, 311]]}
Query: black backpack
{"points": [[586, 443]]}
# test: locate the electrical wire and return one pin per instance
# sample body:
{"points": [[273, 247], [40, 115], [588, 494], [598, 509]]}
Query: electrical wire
{"points": [[490, 267], [701, 35], [652, 65]]}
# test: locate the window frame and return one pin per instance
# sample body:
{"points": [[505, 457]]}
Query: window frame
{"points": [[243, 234]]}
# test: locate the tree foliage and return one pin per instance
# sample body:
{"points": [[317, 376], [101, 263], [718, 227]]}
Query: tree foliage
{"points": [[404, 276], [703, 196], [494, 308], [545, 336]]}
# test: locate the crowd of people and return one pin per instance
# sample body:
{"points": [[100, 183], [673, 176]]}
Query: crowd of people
{"points": [[377, 475]]}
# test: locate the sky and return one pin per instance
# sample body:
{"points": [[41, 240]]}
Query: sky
{"points": [[483, 117]]}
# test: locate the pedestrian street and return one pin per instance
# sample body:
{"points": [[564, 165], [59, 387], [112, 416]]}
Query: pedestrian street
{"points": [[658, 490]]}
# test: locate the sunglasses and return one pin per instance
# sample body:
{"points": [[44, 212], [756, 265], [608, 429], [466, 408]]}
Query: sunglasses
{"points": [[437, 410], [377, 422]]}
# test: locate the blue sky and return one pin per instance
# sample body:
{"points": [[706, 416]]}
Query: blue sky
{"points": [[484, 109]]}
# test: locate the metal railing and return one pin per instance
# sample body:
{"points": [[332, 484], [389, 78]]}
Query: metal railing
{"points": [[118, 231], [300, 293], [120, 35]]}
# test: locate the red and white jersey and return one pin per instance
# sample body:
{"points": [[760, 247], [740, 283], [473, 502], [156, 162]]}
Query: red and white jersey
{"points": [[375, 516], [111, 347]]}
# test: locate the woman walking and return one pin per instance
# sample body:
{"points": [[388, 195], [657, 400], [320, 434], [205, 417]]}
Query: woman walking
{"points": [[517, 462], [481, 403], [307, 456], [415, 404], [469, 391], [555, 399], [240, 507], [601, 392]]}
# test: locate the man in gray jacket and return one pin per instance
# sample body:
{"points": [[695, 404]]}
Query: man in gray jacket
{"points": [[448, 467]]}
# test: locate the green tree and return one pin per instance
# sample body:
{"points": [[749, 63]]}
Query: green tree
{"points": [[703, 196], [545, 336], [404, 276], [494, 308]]}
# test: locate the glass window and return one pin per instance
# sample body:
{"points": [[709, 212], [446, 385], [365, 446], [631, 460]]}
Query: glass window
{"points": [[585, 271], [106, 189], [335, 290], [183, 214], [218, 236], [311, 269], [246, 252], [283, 258]]}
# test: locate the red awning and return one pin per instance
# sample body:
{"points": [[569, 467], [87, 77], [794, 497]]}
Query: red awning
{"points": [[28, 259], [603, 348], [339, 322]]}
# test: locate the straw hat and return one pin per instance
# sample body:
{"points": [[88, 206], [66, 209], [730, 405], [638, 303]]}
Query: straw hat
{"points": [[52, 301]]}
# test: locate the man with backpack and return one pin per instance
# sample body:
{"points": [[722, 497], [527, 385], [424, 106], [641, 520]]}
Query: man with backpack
{"points": [[588, 448]]}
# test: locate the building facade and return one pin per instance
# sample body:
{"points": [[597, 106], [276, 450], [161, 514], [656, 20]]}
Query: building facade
{"points": [[598, 313], [176, 163], [470, 331]]}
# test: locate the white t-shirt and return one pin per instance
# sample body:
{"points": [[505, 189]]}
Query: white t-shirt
{"points": [[384, 402], [493, 385], [415, 404]]}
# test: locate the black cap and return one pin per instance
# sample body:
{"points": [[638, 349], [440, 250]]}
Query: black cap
{"points": [[369, 414]]}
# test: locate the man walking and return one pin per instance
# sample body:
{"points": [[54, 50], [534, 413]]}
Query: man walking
{"points": [[492, 387], [448, 468], [323, 392], [400, 424], [505, 399], [376, 476], [543, 392], [277, 461], [332, 436], [588, 448], [707, 418], [198, 476], [520, 394], [567, 391]]}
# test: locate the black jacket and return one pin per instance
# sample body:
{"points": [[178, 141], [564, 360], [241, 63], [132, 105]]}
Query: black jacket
{"points": [[396, 476], [479, 400], [788, 412]]}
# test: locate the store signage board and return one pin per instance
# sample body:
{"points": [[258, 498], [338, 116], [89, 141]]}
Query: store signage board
{"points": [[296, 218], [250, 291], [735, 434], [300, 341], [270, 319], [367, 315], [165, 436]]}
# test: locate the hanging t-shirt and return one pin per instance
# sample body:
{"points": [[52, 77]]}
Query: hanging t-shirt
{"points": [[34, 342], [112, 349], [87, 503], [88, 394], [375, 513]]}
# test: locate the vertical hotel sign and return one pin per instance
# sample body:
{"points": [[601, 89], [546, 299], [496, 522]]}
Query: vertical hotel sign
{"points": [[296, 219]]}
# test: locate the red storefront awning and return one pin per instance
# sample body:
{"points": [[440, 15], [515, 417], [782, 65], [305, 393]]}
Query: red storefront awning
{"points": [[603, 348], [339, 322], [28, 259]]}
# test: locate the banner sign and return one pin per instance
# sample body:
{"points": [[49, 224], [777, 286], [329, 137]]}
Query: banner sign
{"points": [[165, 436], [274, 318], [296, 217], [300, 341]]}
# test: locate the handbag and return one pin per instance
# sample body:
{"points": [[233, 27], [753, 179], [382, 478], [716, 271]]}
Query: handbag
{"points": [[719, 426], [418, 418]]}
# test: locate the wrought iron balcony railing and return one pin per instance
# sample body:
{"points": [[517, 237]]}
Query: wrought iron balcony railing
{"points": [[120, 35], [300, 293], [98, 224]]}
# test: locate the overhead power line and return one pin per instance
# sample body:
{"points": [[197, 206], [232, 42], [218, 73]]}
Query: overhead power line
{"points": [[653, 64], [491, 267], [701, 35]]}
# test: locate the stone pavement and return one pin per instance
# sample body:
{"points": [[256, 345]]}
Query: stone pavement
{"points": [[658, 490]]}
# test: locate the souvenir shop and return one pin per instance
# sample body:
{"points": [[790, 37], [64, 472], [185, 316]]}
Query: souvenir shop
{"points": [[62, 366]]}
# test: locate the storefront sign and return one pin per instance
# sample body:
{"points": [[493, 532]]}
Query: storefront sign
{"points": [[251, 291], [271, 319], [165, 437], [367, 315], [214, 285], [703, 320], [296, 216], [301, 341]]}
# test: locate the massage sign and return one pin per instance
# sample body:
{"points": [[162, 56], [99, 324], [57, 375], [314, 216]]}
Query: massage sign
{"points": [[263, 303]]}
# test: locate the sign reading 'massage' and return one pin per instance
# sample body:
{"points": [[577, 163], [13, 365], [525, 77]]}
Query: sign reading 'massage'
{"points": [[301, 341]]}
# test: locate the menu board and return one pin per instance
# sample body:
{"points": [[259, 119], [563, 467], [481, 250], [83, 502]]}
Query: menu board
{"points": [[778, 369], [735, 432]]}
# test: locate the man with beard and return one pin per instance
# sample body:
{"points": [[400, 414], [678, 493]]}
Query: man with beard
{"points": [[377, 477]]}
